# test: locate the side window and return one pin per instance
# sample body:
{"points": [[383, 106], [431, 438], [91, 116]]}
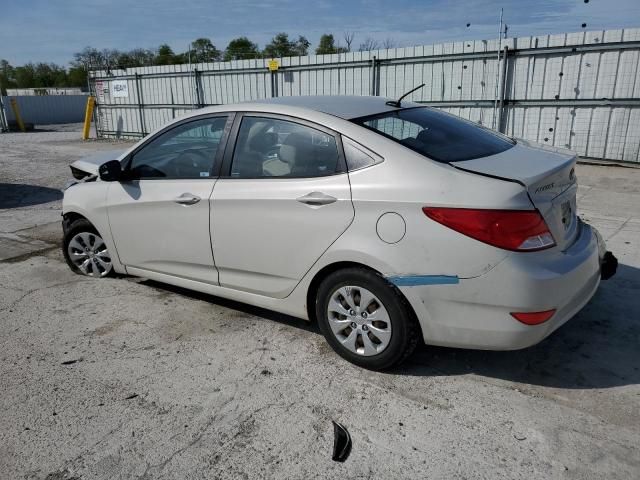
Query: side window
{"points": [[268, 147], [186, 151], [358, 156]]}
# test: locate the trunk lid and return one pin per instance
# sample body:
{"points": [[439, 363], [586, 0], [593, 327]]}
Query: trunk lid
{"points": [[547, 173]]}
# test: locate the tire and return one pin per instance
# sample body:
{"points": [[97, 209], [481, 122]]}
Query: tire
{"points": [[85, 250], [352, 287]]}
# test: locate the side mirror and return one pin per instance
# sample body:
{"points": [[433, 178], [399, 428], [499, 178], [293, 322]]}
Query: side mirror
{"points": [[110, 171]]}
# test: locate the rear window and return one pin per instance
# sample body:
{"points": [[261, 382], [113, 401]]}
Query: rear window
{"points": [[437, 135]]}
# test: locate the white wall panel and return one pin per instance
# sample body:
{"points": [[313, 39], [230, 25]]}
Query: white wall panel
{"points": [[583, 83]]}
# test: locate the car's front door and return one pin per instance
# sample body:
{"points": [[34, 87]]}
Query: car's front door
{"points": [[159, 215], [283, 199]]}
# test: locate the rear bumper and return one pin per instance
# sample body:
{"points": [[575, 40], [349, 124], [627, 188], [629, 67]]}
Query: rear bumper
{"points": [[475, 312]]}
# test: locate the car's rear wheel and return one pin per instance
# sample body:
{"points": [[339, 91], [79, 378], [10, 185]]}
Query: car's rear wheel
{"points": [[365, 319], [85, 251]]}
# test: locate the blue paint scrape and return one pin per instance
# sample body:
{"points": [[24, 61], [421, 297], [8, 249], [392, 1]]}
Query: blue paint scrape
{"points": [[417, 280]]}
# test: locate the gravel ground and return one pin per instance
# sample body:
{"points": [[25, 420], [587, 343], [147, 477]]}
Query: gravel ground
{"points": [[127, 378]]}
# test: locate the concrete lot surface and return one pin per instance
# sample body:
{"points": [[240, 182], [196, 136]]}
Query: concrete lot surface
{"points": [[126, 378]]}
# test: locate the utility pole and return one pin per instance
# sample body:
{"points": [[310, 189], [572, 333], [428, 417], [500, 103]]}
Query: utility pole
{"points": [[191, 76], [498, 69]]}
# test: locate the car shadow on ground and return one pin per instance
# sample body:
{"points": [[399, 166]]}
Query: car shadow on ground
{"points": [[598, 348], [241, 307], [16, 195]]}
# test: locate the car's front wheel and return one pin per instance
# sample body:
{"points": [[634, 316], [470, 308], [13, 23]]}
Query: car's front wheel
{"points": [[85, 251], [365, 319]]}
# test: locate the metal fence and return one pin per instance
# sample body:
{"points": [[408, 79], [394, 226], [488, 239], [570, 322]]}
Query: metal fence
{"points": [[19, 92], [4, 126], [47, 109], [573, 90]]}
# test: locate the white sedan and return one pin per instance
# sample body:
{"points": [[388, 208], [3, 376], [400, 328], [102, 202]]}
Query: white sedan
{"points": [[387, 223]]}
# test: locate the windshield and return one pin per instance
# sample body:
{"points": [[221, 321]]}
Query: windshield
{"points": [[437, 135]]}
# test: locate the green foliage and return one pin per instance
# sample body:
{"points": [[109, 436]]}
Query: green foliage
{"points": [[328, 45], [241, 48], [7, 77], [165, 55], [47, 75], [33, 75], [76, 77], [281, 46], [202, 50]]}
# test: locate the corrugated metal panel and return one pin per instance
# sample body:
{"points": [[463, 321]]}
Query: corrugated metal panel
{"points": [[48, 109], [574, 90]]}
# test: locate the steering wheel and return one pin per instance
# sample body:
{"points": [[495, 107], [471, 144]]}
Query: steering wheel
{"points": [[192, 162]]}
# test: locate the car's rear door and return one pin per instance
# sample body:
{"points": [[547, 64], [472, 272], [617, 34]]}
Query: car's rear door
{"points": [[283, 199]]}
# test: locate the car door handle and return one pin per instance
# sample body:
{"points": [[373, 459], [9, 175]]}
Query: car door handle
{"points": [[187, 199], [317, 198]]}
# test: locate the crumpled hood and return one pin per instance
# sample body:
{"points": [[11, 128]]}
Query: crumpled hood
{"points": [[89, 165]]}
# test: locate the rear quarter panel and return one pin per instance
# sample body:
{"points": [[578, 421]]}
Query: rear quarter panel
{"points": [[404, 183]]}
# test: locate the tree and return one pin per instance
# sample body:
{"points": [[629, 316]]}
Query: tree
{"points": [[138, 57], [202, 50], [25, 76], [88, 58], [30, 75], [389, 43], [241, 48], [7, 76], [369, 44], [348, 39], [112, 58], [49, 75], [281, 46], [77, 77], [301, 46], [165, 55], [327, 45]]}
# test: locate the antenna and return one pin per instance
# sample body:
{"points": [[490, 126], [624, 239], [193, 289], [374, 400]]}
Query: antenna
{"points": [[396, 103]]}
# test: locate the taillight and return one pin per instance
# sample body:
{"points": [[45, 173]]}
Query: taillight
{"points": [[517, 230], [533, 318]]}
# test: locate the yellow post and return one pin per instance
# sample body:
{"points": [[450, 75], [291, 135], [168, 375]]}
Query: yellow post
{"points": [[16, 113], [88, 114]]}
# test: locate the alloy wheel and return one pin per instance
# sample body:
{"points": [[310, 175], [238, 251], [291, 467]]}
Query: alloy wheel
{"points": [[359, 320], [88, 252]]}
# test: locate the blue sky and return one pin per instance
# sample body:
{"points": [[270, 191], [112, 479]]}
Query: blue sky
{"points": [[52, 30]]}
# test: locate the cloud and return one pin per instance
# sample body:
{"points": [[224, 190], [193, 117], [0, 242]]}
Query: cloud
{"points": [[44, 30]]}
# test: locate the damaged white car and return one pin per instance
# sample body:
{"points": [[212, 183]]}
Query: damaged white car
{"points": [[388, 223]]}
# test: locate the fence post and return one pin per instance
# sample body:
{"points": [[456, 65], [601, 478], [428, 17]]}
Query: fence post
{"points": [[199, 96], [88, 114], [274, 83], [373, 76], [93, 91], [502, 92], [4, 126], [143, 128], [16, 113]]}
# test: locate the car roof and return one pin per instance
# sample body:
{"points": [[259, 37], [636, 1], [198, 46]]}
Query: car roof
{"points": [[347, 107]]}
